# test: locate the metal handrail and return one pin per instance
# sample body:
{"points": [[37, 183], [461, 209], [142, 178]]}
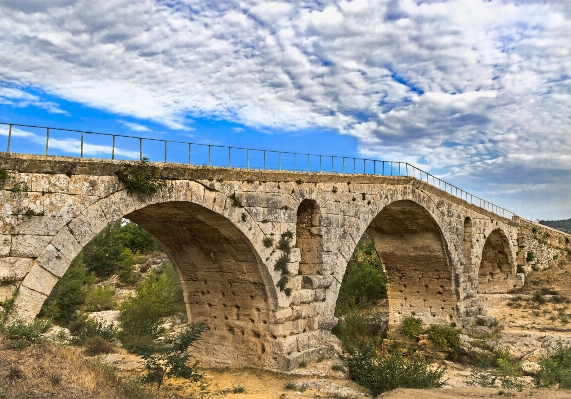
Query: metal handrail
{"points": [[395, 168]]}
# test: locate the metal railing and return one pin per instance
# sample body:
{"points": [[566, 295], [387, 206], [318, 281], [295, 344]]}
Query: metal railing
{"points": [[237, 157]]}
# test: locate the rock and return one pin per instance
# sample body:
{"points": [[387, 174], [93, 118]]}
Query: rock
{"points": [[58, 334], [106, 317], [529, 368], [487, 321]]}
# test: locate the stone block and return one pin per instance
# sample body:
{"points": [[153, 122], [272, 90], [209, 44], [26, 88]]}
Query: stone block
{"points": [[5, 244], [66, 244], [7, 292], [53, 261], [14, 269], [28, 303], [29, 245], [302, 296], [39, 280]]}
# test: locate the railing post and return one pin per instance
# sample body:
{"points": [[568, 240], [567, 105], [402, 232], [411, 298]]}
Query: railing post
{"points": [[280, 158], [229, 157], [320, 164], [264, 159], [9, 138], [113, 148], [354, 165], [375, 167], [364, 166], [140, 148], [391, 168], [247, 158], [209, 160], [343, 165], [308, 162], [189, 153], [47, 140], [166, 150], [81, 146], [294, 161], [332, 164]]}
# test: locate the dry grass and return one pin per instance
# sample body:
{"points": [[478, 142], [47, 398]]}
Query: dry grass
{"points": [[46, 371]]}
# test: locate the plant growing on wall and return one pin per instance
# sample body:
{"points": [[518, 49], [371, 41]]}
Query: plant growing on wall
{"points": [[4, 177], [140, 178], [284, 246]]}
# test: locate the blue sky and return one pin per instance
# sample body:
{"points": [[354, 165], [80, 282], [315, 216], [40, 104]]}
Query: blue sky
{"points": [[477, 92]]}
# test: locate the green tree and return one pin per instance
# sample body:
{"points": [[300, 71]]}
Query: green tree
{"points": [[68, 294], [159, 295], [364, 281]]}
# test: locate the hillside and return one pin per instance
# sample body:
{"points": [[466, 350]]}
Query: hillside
{"points": [[563, 225]]}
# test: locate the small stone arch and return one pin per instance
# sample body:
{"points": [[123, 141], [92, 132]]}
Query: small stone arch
{"points": [[309, 238], [496, 273], [413, 251]]}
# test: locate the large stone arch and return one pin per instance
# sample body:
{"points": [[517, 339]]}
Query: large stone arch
{"points": [[225, 281], [412, 238], [411, 247], [496, 271]]}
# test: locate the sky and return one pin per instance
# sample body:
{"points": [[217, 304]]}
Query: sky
{"points": [[477, 92]]}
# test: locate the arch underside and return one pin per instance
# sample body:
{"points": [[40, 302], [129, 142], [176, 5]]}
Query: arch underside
{"points": [[495, 274], [222, 280], [411, 248]]}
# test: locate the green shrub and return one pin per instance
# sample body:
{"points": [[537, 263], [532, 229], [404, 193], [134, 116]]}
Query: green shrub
{"points": [[140, 178], [100, 298], [530, 256], [172, 358], [555, 368], [445, 336], [97, 346], [68, 295], [411, 327], [268, 242], [360, 326], [381, 373], [83, 328], [22, 334], [158, 296], [4, 177], [364, 281]]}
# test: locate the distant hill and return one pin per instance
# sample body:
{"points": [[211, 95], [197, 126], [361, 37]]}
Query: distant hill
{"points": [[563, 225]]}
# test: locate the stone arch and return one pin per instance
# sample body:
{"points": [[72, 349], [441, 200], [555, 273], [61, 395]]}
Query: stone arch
{"points": [[413, 251], [224, 280], [309, 238], [496, 273]]}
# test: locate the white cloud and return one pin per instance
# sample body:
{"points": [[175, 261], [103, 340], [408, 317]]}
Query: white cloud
{"points": [[476, 89], [21, 99], [136, 127]]}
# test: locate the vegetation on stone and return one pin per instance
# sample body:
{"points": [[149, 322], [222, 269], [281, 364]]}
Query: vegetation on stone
{"points": [[140, 178], [412, 327], [555, 368]]}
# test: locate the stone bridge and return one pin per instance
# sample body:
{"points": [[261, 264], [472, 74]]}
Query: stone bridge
{"points": [[220, 228]]}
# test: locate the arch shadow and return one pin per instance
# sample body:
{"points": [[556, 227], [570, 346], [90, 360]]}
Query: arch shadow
{"points": [[496, 273]]}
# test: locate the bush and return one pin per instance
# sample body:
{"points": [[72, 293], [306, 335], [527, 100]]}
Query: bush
{"points": [[359, 326], [363, 282], [83, 328], [382, 373], [158, 296], [530, 256], [140, 178], [555, 368], [68, 294], [172, 358], [97, 346], [22, 334], [411, 327], [100, 298], [445, 336]]}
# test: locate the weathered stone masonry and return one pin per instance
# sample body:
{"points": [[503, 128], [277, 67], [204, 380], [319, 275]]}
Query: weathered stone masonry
{"points": [[439, 252]]}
